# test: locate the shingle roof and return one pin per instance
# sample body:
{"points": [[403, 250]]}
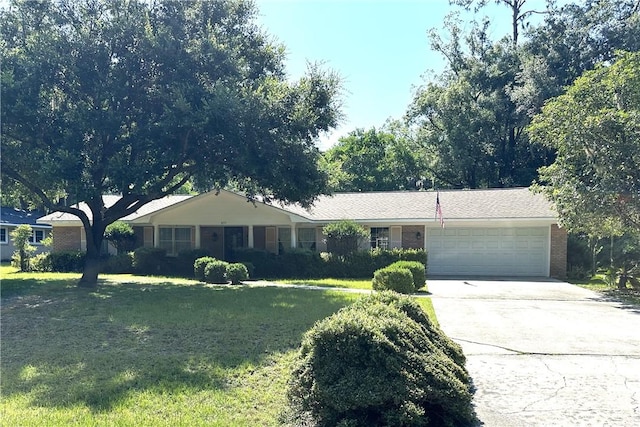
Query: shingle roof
{"points": [[513, 203], [150, 207], [13, 216]]}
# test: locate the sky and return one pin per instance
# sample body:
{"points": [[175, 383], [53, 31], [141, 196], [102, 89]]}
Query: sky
{"points": [[379, 48]]}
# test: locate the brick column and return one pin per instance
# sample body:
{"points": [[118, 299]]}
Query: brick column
{"points": [[558, 252]]}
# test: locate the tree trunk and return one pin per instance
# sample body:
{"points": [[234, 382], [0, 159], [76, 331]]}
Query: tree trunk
{"points": [[95, 234], [90, 272]]}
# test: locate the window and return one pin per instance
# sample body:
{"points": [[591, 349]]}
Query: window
{"points": [[307, 238], [3, 235], [284, 238], [175, 239], [37, 236], [380, 237]]}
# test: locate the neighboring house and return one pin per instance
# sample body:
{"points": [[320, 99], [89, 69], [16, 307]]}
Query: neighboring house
{"points": [[10, 218], [497, 232]]}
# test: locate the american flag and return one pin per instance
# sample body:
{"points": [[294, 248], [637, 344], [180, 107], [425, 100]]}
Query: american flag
{"points": [[439, 210]]}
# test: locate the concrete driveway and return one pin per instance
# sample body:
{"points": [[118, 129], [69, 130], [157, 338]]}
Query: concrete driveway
{"points": [[544, 353]]}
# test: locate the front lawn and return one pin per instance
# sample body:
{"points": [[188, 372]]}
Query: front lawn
{"points": [[150, 351], [599, 284]]}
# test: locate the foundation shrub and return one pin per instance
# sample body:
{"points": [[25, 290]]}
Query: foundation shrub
{"points": [[372, 363], [236, 273], [199, 265], [393, 279], [417, 271], [150, 261], [118, 264], [185, 260], [302, 263], [59, 262], [265, 263], [216, 272]]}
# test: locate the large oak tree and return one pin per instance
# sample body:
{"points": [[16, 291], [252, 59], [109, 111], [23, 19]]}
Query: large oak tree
{"points": [[136, 98]]}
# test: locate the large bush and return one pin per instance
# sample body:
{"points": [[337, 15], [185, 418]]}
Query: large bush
{"points": [[343, 237], [378, 362], [59, 261], [150, 260], [216, 272], [121, 235], [417, 270], [393, 279], [236, 273], [24, 251], [199, 265]]}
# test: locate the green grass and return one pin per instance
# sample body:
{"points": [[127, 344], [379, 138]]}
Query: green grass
{"points": [[150, 351], [598, 283], [330, 283]]}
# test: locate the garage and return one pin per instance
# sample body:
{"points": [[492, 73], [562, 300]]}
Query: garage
{"points": [[516, 251]]}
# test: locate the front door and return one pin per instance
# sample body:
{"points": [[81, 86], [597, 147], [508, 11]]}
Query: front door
{"points": [[233, 239]]}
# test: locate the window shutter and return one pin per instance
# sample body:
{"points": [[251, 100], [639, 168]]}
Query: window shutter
{"points": [[396, 237]]}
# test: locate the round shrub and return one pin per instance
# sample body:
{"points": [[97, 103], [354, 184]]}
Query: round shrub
{"points": [[216, 272], [236, 273], [417, 271], [199, 265], [372, 364], [394, 279]]}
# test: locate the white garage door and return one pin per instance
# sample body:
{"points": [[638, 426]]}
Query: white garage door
{"points": [[488, 251]]}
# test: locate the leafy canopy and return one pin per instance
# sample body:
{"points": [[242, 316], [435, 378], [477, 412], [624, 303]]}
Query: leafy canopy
{"points": [[138, 98], [595, 128]]}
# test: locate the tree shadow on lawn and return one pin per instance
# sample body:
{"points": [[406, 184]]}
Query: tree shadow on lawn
{"points": [[97, 347], [628, 299]]}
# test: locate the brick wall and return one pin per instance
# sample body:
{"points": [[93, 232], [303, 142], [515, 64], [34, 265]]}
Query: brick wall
{"points": [[558, 252], [66, 238]]}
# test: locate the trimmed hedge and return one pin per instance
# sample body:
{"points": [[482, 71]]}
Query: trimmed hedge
{"points": [[150, 260], [118, 264], [393, 279], [236, 273], [379, 362], [59, 262], [297, 263], [199, 265], [216, 272], [417, 270]]}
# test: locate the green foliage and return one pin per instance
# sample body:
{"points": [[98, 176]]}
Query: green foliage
{"points": [[393, 279], [185, 261], [417, 269], [378, 362], [594, 182], [212, 105], [216, 271], [121, 235], [374, 161], [60, 261], [121, 263], [343, 237], [149, 260], [236, 273], [199, 265], [24, 251]]}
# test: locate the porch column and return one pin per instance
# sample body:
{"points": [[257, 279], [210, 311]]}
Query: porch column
{"points": [[424, 233], [250, 237], [198, 237], [293, 236], [156, 235]]}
